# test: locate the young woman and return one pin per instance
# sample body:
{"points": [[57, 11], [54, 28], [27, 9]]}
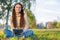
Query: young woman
{"points": [[19, 23]]}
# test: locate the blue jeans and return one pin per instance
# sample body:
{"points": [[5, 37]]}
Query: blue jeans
{"points": [[9, 33]]}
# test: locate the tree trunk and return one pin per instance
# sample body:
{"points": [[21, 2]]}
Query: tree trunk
{"points": [[7, 17]]}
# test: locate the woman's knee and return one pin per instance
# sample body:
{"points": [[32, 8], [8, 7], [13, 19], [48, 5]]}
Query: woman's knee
{"points": [[7, 32], [29, 33]]}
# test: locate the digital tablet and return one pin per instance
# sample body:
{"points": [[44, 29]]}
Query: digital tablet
{"points": [[17, 31]]}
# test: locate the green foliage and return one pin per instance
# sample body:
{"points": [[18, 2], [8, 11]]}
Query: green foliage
{"points": [[58, 25], [54, 24], [31, 19]]}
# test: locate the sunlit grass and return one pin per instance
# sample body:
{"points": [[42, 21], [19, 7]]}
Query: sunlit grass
{"points": [[39, 34]]}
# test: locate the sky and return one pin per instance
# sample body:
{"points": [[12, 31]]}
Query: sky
{"points": [[46, 10]]}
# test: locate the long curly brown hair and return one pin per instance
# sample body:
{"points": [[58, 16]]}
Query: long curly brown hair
{"points": [[22, 21]]}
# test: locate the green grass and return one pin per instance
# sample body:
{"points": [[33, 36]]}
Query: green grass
{"points": [[39, 34]]}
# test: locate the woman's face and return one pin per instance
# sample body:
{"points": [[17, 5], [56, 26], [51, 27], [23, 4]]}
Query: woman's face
{"points": [[17, 8]]}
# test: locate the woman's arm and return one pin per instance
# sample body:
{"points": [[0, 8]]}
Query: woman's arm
{"points": [[26, 22], [11, 24]]}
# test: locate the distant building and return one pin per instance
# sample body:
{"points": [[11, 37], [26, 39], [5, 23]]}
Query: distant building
{"points": [[40, 25], [49, 25]]}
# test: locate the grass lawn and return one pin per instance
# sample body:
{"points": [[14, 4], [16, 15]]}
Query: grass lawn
{"points": [[39, 34]]}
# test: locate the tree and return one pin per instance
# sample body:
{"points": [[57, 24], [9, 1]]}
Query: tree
{"points": [[27, 4], [6, 6], [55, 24], [31, 19]]}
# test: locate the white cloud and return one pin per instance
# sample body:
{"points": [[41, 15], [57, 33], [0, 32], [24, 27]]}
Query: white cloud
{"points": [[46, 10]]}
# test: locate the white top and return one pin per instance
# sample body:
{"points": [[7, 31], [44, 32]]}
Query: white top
{"points": [[26, 25]]}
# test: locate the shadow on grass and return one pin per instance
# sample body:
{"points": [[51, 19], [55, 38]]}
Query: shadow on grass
{"points": [[33, 37]]}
